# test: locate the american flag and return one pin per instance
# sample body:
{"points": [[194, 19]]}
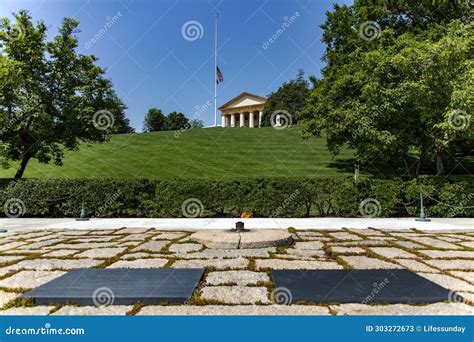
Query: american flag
{"points": [[220, 78]]}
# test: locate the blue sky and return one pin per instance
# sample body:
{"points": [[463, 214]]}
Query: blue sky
{"points": [[153, 64]]}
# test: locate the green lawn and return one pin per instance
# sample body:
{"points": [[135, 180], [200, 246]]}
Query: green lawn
{"points": [[201, 153]]}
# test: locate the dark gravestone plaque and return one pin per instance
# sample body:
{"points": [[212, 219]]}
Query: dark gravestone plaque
{"points": [[357, 286], [118, 286]]}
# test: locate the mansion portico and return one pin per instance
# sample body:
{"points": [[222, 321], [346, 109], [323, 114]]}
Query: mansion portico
{"points": [[244, 110]]}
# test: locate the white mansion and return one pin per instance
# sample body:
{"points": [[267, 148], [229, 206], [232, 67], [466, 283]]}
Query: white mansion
{"points": [[244, 110]]}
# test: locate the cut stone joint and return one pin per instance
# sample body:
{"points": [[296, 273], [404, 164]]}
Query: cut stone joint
{"points": [[227, 239]]}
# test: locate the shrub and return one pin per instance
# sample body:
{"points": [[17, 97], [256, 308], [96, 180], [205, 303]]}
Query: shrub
{"points": [[64, 197], [270, 197]]}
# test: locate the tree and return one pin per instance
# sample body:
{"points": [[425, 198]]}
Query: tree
{"points": [[392, 96], [154, 121], [196, 123], [122, 124], [406, 101], [448, 74], [176, 121], [287, 100], [9, 78], [60, 98], [344, 26]]}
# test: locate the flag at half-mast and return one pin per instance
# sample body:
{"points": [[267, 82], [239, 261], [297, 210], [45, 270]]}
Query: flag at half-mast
{"points": [[220, 77]]}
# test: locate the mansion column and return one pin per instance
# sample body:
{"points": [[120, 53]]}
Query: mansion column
{"points": [[251, 123], [232, 120], [260, 114], [242, 120], [224, 121]]}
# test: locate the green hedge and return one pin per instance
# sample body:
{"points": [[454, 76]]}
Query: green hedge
{"points": [[273, 197]]}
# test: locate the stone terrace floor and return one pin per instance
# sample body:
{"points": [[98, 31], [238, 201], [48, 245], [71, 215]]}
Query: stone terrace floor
{"points": [[236, 282]]}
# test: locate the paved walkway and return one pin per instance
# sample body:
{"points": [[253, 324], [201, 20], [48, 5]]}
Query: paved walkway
{"points": [[227, 223], [237, 281]]}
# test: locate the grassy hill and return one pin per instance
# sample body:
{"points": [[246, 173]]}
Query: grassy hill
{"points": [[201, 153]]}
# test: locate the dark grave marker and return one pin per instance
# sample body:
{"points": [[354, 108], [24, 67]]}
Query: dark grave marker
{"points": [[119, 286], [358, 286]]}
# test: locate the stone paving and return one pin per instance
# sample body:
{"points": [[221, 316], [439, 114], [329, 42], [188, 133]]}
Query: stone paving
{"points": [[237, 281]]}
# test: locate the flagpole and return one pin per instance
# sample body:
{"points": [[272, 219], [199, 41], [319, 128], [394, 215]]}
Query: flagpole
{"points": [[215, 73]]}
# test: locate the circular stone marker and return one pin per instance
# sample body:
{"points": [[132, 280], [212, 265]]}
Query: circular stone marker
{"points": [[226, 239]]}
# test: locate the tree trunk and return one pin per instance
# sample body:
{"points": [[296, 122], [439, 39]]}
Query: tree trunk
{"points": [[308, 209], [356, 172], [421, 159], [22, 167], [418, 167], [407, 167], [439, 164]]}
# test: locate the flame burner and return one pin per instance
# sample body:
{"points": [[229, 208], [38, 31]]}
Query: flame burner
{"points": [[239, 228]]}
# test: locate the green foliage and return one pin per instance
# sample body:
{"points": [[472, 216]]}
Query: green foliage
{"points": [[50, 94], [196, 123], [398, 97], [64, 198], [290, 97], [176, 121], [155, 120], [268, 197], [122, 123], [341, 29]]}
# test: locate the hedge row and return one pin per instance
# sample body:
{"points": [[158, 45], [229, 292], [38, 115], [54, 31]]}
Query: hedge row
{"points": [[275, 197]]}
